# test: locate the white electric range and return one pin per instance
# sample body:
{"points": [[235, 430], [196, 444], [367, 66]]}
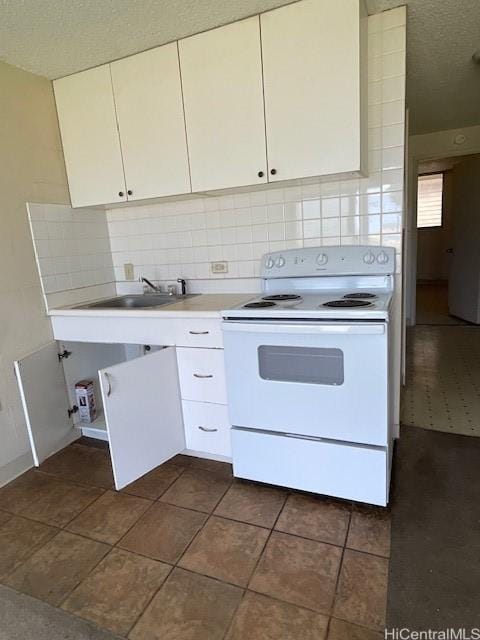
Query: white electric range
{"points": [[308, 369]]}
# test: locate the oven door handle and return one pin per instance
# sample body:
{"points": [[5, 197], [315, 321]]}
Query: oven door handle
{"points": [[312, 329]]}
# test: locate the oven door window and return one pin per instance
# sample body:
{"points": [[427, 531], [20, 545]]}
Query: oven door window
{"points": [[308, 365]]}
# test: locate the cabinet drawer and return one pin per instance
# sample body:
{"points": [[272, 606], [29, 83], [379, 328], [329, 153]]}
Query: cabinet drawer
{"points": [[207, 428], [199, 332], [202, 375], [348, 471]]}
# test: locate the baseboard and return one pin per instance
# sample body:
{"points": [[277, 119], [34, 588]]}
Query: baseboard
{"points": [[15, 468]]}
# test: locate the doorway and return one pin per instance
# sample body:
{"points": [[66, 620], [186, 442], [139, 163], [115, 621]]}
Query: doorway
{"points": [[442, 388]]}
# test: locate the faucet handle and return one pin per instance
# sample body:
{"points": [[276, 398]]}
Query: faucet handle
{"points": [[183, 282]]}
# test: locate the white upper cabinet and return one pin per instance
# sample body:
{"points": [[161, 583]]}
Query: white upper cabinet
{"points": [[313, 68], [148, 100], [223, 94], [91, 146]]}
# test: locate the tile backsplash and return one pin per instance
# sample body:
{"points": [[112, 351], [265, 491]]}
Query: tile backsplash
{"points": [[167, 240], [73, 252]]}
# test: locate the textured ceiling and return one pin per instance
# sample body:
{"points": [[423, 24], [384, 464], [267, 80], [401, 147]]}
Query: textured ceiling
{"points": [[57, 37], [443, 83]]}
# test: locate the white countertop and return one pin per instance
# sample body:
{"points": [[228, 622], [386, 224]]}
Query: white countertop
{"points": [[208, 305]]}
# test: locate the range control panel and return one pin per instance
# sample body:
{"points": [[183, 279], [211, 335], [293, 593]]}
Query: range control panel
{"points": [[329, 261]]}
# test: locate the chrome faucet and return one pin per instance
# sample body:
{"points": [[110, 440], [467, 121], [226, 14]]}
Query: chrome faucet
{"points": [[182, 282], [150, 284]]}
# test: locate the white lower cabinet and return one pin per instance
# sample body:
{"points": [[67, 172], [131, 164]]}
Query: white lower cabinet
{"points": [[202, 375], [207, 429], [138, 402], [139, 395]]}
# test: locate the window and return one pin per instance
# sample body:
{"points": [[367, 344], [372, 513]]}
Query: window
{"points": [[429, 202], [307, 365]]}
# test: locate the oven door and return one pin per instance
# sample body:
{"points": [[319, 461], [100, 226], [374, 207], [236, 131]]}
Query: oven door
{"points": [[319, 379]]}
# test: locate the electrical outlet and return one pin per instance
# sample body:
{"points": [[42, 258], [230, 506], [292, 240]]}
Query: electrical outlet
{"points": [[219, 267], [129, 271]]}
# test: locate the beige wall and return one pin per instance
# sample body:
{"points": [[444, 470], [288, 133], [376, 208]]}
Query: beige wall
{"points": [[32, 169]]}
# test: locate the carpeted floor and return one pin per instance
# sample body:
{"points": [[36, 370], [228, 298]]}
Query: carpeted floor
{"points": [[434, 577]]}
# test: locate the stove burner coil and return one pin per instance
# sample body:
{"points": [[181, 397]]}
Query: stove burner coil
{"points": [[359, 295], [347, 303], [282, 296], [259, 305]]}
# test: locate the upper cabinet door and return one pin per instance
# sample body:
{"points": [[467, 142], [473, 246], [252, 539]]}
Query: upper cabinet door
{"points": [[148, 100], [312, 79], [222, 89], [143, 412], [91, 146]]}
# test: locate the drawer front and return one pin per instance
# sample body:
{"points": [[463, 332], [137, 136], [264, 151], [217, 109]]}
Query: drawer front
{"points": [[207, 428], [202, 375], [199, 332], [346, 471]]}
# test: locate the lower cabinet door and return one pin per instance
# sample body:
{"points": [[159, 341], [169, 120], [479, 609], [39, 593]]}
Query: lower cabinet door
{"points": [[143, 413], [43, 391], [207, 428]]}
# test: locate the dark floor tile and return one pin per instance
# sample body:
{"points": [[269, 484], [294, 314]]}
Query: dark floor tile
{"points": [[154, 483], [252, 503], [197, 489], [226, 550], [4, 517], [316, 518], [181, 461], [370, 530], [83, 464], [341, 630], [55, 569], [188, 607], [21, 492], [362, 590], [214, 466], [261, 618], [94, 442], [56, 502], [117, 591], [110, 517], [164, 532], [19, 539], [299, 571]]}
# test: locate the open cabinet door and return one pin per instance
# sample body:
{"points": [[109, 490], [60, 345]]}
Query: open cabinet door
{"points": [[43, 391], [143, 412]]}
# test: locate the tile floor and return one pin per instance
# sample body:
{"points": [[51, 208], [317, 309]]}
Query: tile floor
{"points": [[189, 552], [442, 389]]}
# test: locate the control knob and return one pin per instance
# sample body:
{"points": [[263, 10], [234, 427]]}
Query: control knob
{"points": [[280, 262], [322, 259], [269, 263], [369, 258], [382, 258]]}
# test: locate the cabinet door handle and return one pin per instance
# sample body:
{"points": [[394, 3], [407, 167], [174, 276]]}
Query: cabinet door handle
{"points": [[109, 390], [207, 430], [129, 192], [273, 171], [203, 375], [121, 194], [260, 174], [199, 333]]}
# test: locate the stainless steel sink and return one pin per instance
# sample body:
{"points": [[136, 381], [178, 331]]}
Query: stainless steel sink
{"points": [[136, 301]]}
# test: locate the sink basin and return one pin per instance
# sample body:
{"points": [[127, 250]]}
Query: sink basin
{"points": [[135, 301]]}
